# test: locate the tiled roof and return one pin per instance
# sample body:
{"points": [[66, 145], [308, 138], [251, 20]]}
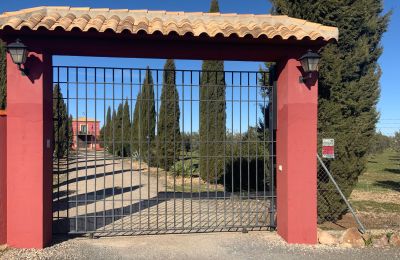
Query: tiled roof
{"points": [[181, 23]]}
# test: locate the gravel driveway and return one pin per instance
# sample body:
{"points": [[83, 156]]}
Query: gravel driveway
{"points": [[253, 245], [98, 193]]}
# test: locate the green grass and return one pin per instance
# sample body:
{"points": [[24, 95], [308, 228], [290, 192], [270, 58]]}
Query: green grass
{"points": [[381, 176], [380, 207], [382, 173]]}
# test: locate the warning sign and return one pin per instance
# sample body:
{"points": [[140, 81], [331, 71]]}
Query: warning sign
{"points": [[328, 148]]}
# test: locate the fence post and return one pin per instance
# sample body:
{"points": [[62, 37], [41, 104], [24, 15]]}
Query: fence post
{"points": [[29, 152], [3, 177], [296, 145]]}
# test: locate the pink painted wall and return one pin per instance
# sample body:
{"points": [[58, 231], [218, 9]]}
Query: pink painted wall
{"points": [[93, 127], [296, 148], [3, 178], [29, 153], [93, 131]]}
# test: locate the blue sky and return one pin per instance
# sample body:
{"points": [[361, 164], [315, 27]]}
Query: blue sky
{"points": [[388, 106]]}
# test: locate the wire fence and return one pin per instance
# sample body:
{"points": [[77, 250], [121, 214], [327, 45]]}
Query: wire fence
{"points": [[375, 196]]}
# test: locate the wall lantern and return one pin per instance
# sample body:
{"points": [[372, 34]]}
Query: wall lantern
{"points": [[309, 63], [19, 53]]}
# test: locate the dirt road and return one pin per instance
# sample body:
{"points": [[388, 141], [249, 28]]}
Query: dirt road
{"points": [[95, 192]]}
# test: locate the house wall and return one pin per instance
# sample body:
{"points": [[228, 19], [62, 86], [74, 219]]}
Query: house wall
{"points": [[92, 127], [93, 130]]}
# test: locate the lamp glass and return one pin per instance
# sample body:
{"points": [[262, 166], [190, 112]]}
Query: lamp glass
{"points": [[305, 65], [18, 55], [309, 61], [313, 64]]}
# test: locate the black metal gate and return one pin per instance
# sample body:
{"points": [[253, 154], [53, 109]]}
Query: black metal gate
{"points": [[116, 171]]}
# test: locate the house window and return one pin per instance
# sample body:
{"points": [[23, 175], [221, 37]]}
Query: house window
{"points": [[84, 129]]}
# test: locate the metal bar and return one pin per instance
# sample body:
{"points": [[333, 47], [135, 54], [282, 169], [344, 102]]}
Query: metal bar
{"points": [[113, 151], [243, 210], [216, 168], [86, 151], [131, 148], [106, 146], [58, 140], [178, 85], [224, 168], [257, 210], [148, 155], [141, 68], [174, 168], [200, 103], [360, 225], [264, 149], [95, 149], [77, 150], [140, 149], [248, 151], [207, 147], [182, 151], [191, 150], [240, 152], [69, 144], [164, 145], [232, 162], [122, 145], [158, 141]]}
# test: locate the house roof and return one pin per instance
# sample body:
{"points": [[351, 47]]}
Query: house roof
{"points": [[84, 119], [193, 23]]}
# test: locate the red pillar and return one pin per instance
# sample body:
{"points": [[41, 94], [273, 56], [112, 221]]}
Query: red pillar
{"points": [[3, 178], [296, 138], [29, 153]]}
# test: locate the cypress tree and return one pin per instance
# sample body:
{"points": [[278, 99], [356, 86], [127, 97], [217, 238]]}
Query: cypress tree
{"points": [[61, 126], [126, 126], [3, 76], [168, 132], [107, 130], [348, 87], [70, 131], [102, 134], [135, 125], [144, 122], [118, 131], [212, 116], [112, 144], [122, 132]]}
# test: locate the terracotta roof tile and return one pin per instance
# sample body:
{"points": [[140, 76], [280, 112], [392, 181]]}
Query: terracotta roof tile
{"points": [[181, 23]]}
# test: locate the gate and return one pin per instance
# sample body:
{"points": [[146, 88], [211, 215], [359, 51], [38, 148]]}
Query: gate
{"points": [[118, 170]]}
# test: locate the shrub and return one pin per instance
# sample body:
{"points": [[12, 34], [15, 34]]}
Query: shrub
{"points": [[188, 167]]}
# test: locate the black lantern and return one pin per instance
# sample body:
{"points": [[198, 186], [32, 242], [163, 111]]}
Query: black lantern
{"points": [[18, 52], [309, 63]]}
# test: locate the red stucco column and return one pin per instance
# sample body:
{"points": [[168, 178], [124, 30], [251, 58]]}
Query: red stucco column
{"points": [[3, 177], [296, 148], [29, 153]]}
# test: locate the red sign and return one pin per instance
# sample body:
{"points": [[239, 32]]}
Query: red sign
{"points": [[328, 148]]}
